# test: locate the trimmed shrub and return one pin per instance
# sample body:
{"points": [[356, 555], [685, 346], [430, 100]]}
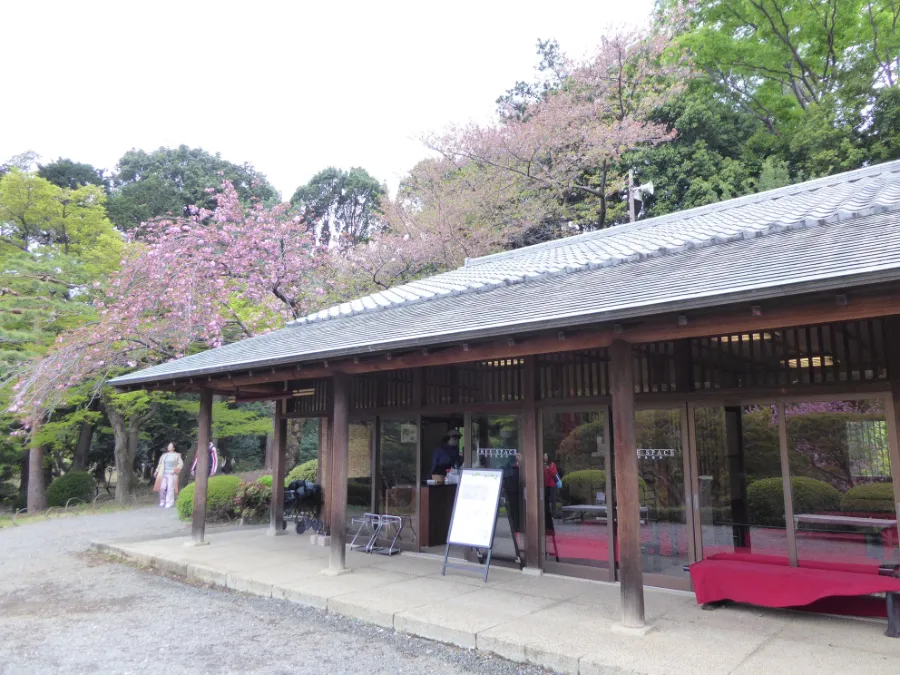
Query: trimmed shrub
{"points": [[306, 471], [265, 480], [359, 492], [78, 484], [869, 498], [253, 499], [582, 486], [765, 499], [220, 495]]}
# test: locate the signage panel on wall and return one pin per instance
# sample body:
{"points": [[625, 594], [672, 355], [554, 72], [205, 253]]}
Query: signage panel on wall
{"points": [[409, 433]]}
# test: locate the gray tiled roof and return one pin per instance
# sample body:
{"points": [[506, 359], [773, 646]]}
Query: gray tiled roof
{"points": [[828, 234], [808, 204]]}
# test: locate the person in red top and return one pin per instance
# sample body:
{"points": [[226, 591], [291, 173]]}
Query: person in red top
{"points": [[551, 475]]}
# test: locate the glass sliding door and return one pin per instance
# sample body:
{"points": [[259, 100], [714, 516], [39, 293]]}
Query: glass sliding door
{"points": [[496, 441], [740, 482], [665, 534], [577, 526], [398, 493], [841, 482], [359, 472]]}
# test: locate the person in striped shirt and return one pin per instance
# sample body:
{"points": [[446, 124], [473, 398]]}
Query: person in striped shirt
{"points": [[213, 461]]}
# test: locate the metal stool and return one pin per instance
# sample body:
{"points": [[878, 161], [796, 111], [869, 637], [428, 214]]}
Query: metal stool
{"points": [[370, 522], [389, 525]]}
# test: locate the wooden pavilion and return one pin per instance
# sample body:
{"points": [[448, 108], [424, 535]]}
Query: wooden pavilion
{"points": [[683, 374]]}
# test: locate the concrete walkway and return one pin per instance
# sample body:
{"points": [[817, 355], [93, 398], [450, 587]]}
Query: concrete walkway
{"points": [[559, 623]]}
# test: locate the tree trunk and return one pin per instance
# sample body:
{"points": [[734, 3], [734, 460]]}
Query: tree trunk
{"points": [[37, 487], [125, 447], [23, 477], [84, 445]]}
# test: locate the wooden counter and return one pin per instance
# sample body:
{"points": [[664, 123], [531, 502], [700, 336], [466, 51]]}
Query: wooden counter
{"points": [[435, 511]]}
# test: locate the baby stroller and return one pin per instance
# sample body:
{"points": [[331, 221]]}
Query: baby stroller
{"points": [[303, 505]]}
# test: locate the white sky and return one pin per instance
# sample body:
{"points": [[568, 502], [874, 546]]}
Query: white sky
{"points": [[290, 87]]}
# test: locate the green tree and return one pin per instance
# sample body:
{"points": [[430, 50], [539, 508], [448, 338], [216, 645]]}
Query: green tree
{"points": [[73, 175], [168, 180], [342, 205], [819, 77]]}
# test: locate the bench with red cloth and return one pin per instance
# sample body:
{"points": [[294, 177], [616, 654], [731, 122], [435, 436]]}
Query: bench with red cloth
{"points": [[770, 581]]}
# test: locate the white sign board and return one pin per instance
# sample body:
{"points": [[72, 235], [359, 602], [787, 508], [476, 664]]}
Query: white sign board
{"points": [[409, 433], [475, 508]]}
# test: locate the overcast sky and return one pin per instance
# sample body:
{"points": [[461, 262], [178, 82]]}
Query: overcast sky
{"points": [[290, 87]]}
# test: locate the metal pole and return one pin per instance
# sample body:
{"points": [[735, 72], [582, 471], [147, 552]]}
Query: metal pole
{"points": [[631, 214]]}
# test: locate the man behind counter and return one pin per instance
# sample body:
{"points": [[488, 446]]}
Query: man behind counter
{"points": [[446, 455]]}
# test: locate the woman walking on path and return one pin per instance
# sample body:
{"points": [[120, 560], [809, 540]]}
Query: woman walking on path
{"points": [[170, 465]]}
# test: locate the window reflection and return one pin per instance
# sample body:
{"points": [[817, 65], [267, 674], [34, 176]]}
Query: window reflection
{"points": [[397, 492], [664, 532], [844, 509], [740, 482], [576, 452], [496, 441], [359, 472]]}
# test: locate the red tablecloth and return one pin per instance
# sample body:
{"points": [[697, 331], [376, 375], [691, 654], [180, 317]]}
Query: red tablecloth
{"points": [[776, 585]]}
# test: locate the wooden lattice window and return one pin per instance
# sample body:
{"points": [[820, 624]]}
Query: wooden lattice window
{"points": [[572, 374], [853, 351], [491, 381], [311, 398], [391, 389], [654, 368]]}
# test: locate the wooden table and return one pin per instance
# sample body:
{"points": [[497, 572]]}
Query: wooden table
{"points": [[600, 510], [435, 512], [852, 521], [871, 528]]}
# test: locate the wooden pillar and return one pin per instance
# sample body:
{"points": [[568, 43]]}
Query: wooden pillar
{"points": [[279, 458], [892, 414], [337, 473], [324, 477], [631, 576], [204, 424], [534, 474]]}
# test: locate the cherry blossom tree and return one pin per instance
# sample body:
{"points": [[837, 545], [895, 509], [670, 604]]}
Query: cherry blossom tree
{"points": [[184, 284], [566, 144]]}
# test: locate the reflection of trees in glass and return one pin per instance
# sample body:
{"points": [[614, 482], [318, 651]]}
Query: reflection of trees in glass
{"points": [[661, 430], [575, 450], [842, 443], [497, 431], [398, 460]]}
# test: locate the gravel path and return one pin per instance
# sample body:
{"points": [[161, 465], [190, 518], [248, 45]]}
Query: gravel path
{"points": [[65, 610]]}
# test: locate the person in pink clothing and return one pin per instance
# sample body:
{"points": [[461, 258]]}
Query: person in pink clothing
{"points": [[551, 478], [170, 465]]}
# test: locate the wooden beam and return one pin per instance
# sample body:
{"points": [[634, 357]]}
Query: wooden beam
{"points": [[204, 424], [534, 474], [340, 443], [621, 375], [276, 506]]}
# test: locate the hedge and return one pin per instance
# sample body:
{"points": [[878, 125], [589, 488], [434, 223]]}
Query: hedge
{"points": [[220, 495], [870, 498], [582, 486], [78, 484], [765, 499], [306, 471]]}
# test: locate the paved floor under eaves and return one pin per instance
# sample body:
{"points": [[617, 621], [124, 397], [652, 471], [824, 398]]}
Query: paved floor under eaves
{"points": [[559, 623]]}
